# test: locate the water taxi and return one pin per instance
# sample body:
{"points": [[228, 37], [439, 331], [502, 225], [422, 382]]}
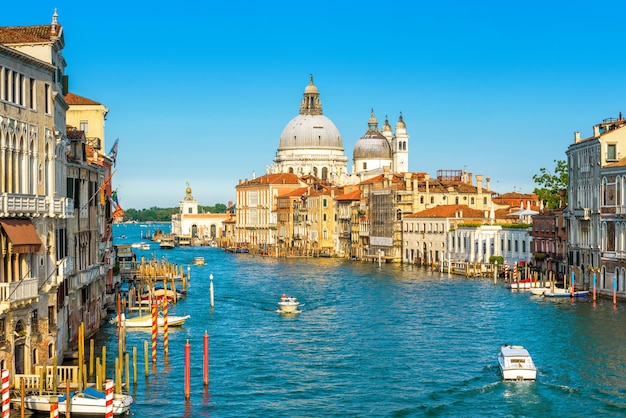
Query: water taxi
{"points": [[516, 363], [288, 304]]}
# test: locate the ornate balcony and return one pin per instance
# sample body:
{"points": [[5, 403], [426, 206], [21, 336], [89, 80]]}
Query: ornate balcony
{"points": [[27, 205], [18, 293]]}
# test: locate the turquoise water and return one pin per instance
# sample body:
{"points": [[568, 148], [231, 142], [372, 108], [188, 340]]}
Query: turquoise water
{"points": [[387, 341]]}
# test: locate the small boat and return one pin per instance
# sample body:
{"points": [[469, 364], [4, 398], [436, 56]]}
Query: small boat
{"points": [[516, 363], [288, 304], [198, 261], [566, 293], [89, 402], [144, 246], [144, 321]]}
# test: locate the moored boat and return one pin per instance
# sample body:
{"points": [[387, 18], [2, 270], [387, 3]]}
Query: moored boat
{"points": [[198, 261], [516, 363], [144, 321], [288, 304], [566, 293], [88, 402]]}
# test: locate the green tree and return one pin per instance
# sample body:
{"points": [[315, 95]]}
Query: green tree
{"points": [[551, 184]]}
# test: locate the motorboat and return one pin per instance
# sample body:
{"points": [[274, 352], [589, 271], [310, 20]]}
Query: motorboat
{"points": [[87, 402], [516, 363], [288, 304], [566, 293], [198, 261], [144, 246], [144, 321]]}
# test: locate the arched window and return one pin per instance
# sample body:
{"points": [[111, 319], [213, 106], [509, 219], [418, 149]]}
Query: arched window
{"points": [[325, 173]]}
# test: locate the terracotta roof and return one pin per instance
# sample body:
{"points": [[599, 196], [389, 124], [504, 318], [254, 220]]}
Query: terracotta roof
{"points": [[26, 34], [448, 211], [354, 195], [75, 99], [297, 192], [620, 163], [281, 178]]}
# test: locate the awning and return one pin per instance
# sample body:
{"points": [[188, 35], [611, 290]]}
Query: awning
{"points": [[22, 234]]}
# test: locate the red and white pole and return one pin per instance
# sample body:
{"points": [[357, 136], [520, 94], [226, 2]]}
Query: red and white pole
{"points": [[108, 393], [155, 327], [166, 348], [6, 401], [54, 407]]}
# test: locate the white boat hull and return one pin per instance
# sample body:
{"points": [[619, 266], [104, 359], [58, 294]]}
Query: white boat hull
{"points": [[145, 321], [288, 308], [80, 404], [516, 364]]}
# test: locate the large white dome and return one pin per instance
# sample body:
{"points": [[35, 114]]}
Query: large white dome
{"points": [[310, 131]]}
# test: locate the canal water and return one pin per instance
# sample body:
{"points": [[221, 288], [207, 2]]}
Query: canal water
{"points": [[391, 341]]}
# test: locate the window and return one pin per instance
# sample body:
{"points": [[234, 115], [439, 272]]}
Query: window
{"points": [[32, 96], [611, 152], [471, 201], [364, 166], [84, 126], [47, 98]]}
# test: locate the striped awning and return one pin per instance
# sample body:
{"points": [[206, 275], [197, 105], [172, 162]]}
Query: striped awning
{"points": [[22, 234]]}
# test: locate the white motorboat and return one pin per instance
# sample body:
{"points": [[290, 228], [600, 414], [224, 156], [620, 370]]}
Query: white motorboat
{"points": [[88, 402], [566, 293], [288, 304], [145, 321], [198, 261], [516, 363]]}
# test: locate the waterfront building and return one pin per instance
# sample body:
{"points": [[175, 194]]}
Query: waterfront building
{"points": [[425, 233], [256, 208], [348, 207], [33, 235], [586, 158], [290, 222], [193, 228], [549, 242], [55, 232], [612, 271]]}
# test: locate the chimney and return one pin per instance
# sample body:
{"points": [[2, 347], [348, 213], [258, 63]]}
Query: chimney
{"points": [[479, 183], [469, 179], [576, 137], [488, 180], [407, 181], [596, 131], [427, 179]]}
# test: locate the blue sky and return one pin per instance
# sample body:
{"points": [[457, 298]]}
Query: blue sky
{"points": [[200, 92]]}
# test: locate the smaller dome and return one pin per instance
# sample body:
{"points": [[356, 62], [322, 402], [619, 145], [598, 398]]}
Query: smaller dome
{"points": [[386, 126], [372, 146]]}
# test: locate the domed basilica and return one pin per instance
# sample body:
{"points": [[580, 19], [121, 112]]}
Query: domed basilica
{"points": [[311, 144]]}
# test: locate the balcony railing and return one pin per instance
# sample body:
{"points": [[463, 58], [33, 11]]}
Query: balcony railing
{"points": [[16, 292], [12, 204]]}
